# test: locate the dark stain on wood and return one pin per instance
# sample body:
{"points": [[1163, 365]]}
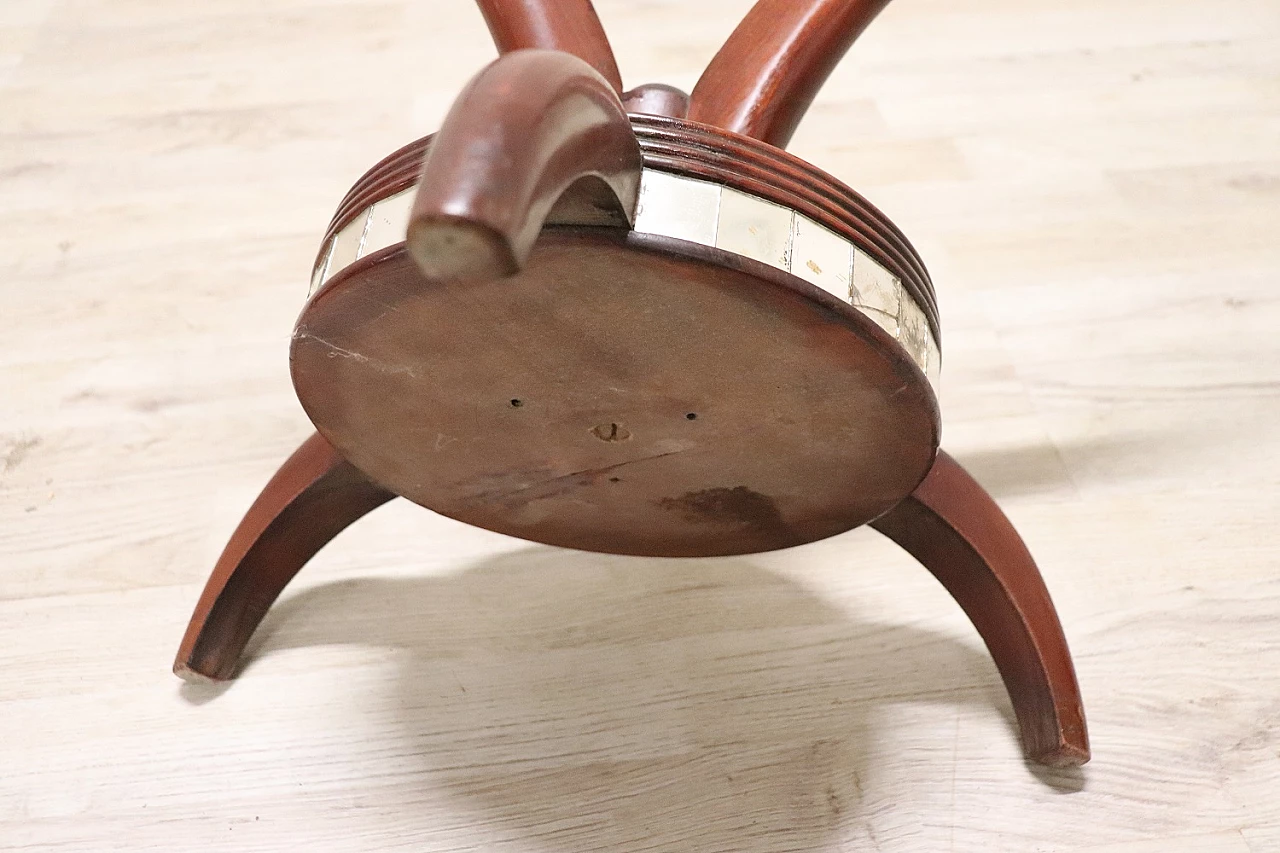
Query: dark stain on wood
{"points": [[721, 505]]}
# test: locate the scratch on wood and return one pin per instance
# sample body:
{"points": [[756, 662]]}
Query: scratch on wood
{"points": [[334, 349], [565, 480]]}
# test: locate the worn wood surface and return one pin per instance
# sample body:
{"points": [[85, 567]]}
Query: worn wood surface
{"points": [[1095, 189], [536, 130]]}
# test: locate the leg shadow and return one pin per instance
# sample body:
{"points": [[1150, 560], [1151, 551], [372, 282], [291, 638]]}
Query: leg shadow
{"points": [[580, 702]]}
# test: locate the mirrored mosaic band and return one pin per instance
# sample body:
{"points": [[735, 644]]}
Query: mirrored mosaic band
{"points": [[719, 217]]}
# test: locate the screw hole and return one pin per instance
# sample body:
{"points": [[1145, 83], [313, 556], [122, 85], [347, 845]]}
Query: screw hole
{"points": [[692, 416], [516, 402], [611, 432]]}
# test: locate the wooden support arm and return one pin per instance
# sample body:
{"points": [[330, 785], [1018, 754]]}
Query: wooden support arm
{"points": [[536, 136], [571, 26], [762, 81]]}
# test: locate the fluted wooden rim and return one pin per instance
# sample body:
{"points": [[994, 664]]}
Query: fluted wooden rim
{"points": [[707, 154]]}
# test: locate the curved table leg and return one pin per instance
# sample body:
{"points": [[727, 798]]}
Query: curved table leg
{"points": [[537, 137], [763, 79], [952, 526], [312, 498], [571, 26]]}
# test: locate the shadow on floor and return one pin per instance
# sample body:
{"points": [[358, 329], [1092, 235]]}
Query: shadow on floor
{"points": [[579, 702], [1042, 468]]}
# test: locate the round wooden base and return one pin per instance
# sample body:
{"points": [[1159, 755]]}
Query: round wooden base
{"points": [[737, 363], [622, 393]]}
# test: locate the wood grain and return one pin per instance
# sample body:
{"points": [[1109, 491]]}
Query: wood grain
{"points": [[1093, 187], [570, 26], [537, 134], [953, 527], [314, 496], [762, 81]]}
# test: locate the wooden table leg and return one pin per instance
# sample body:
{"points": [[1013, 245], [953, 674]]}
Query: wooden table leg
{"points": [[312, 498], [537, 137], [571, 26], [763, 79], [952, 526]]}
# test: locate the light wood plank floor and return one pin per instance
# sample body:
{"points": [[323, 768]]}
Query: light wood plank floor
{"points": [[1096, 189]]}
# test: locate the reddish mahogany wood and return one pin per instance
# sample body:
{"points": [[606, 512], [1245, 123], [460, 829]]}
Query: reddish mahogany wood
{"points": [[571, 26], [762, 81], [952, 526], [312, 498], [536, 135], [615, 395], [657, 99], [709, 153], [585, 382]]}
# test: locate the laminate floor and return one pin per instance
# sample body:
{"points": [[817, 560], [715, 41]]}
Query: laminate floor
{"points": [[1095, 187]]}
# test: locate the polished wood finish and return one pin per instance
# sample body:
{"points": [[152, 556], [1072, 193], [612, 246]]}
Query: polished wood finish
{"points": [[571, 26], [657, 99], [953, 527], [709, 153], [762, 81], [450, 395], [536, 130], [526, 364], [609, 440], [1094, 188], [314, 496]]}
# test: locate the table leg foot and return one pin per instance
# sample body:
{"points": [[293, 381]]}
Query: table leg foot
{"points": [[954, 528], [312, 498]]}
